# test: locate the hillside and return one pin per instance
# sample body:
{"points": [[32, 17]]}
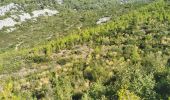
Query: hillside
{"points": [[23, 28], [118, 53]]}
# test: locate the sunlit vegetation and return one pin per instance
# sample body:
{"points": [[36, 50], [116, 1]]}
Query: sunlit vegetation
{"points": [[127, 58], [72, 17]]}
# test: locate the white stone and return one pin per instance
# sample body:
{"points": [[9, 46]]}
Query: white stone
{"points": [[44, 12], [11, 21], [8, 22], [103, 20], [24, 17], [60, 2], [7, 8]]}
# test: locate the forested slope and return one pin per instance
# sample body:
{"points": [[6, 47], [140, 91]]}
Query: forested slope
{"points": [[127, 58]]}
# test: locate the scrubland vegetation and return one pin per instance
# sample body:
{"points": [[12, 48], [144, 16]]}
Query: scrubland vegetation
{"points": [[127, 58]]}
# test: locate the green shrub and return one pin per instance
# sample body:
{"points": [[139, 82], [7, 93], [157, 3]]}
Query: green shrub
{"points": [[124, 94]]}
